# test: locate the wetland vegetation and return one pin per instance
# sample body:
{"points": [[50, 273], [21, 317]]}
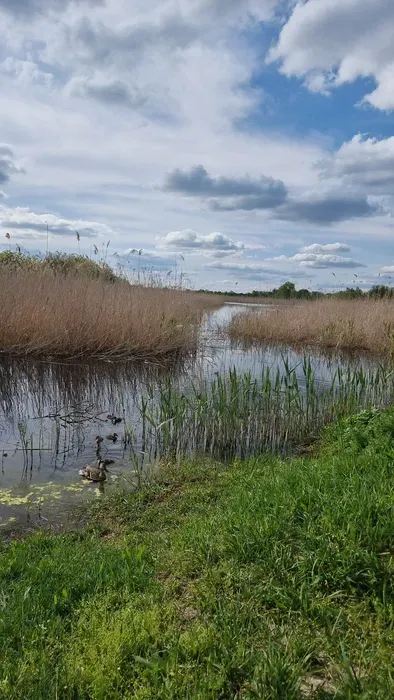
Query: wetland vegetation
{"points": [[261, 578], [357, 325], [239, 547], [70, 307]]}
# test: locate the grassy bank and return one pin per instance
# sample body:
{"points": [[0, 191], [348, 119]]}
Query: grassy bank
{"points": [[366, 325], [55, 315], [266, 579]]}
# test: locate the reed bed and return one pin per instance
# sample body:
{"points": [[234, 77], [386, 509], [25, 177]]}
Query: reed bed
{"points": [[240, 416], [362, 325], [57, 316]]}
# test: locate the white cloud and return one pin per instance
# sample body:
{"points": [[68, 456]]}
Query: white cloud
{"points": [[318, 260], [367, 163], [387, 270], [21, 220], [102, 99], [191, 239], [254, 270], [324, 261], [325, 248], [332, 42]]}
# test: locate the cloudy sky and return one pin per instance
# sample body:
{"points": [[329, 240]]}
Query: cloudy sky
{"points": [[244, 142]]}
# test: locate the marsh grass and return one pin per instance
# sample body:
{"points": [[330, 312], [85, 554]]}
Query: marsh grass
{"points": [[59, 263], [264, 579], [362, 325], [57, 316], [241, 415]]}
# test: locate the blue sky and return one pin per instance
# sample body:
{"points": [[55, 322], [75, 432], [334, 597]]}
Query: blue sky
{"points": [[244, 142]]}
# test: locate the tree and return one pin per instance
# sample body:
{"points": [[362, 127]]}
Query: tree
{"points": [[380, 291], [303, 294], [286, 290]]}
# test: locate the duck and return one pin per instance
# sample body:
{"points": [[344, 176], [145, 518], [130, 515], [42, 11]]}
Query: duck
{"points": [[107, 462], [98, 441], [113, 437], [116, 420], [94, 473]]}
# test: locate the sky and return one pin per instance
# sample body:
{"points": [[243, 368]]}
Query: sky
{"points": [[241, 143]]}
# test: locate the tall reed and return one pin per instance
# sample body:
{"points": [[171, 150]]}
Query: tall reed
{"points": [[72, 316], [238, 415], [330, 323]]}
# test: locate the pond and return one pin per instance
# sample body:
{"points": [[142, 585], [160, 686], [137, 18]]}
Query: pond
{"points": [[51, 414]]}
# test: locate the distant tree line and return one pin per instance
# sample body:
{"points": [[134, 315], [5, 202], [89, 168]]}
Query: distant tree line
{"points": [[289, 291]]}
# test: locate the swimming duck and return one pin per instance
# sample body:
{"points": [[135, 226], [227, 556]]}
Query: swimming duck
{"points": [[114, 419], [113, 437], [94, 473], [98, 441]]}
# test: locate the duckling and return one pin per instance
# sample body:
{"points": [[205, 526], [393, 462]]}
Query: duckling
{"points": [[113, 437], [98, 442], [94, 473], [116, 420]]}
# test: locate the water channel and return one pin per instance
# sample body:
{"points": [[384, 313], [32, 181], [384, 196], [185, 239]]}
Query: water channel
{"points": [[51, 414]]}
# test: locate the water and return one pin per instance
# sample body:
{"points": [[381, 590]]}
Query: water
{"points": [[50, 415]]}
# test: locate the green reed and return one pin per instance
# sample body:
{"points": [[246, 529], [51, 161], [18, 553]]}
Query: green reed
{"points": [[241, 415]]}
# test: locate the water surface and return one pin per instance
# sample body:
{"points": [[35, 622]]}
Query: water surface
{"points": [[50, 414]]}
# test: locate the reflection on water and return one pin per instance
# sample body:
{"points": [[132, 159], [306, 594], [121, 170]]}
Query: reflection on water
{"points": [[50, 414]]}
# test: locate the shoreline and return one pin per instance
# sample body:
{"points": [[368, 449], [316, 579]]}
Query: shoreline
{"points": [[257, 578]]}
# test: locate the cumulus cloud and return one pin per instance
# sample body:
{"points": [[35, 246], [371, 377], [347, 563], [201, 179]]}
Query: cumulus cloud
{"points": [[167, 26], [364, 162], [244, 193], [21, 220], [322, 261], [225, 193], [332, 42], [325, 248], [156, 39], [387, 270], [216, 245], [8, 164], [191, 239], [326, 208], [120, 52], [254, 271]]}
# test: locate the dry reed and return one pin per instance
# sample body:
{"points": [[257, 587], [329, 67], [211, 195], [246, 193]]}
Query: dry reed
{"points": [[56, 316], [364, 325]]}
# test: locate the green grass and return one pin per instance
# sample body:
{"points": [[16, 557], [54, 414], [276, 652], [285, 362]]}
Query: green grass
{"points": [[264, 579]]}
